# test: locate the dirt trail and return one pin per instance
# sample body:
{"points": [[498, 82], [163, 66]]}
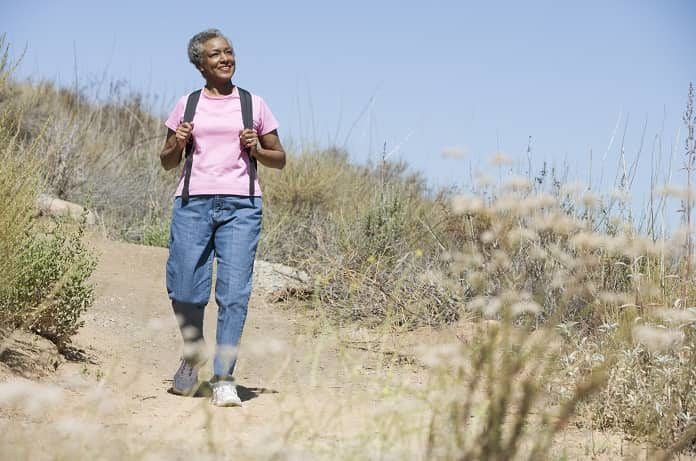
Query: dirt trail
{"points": [[308, 389], [297, 379]]}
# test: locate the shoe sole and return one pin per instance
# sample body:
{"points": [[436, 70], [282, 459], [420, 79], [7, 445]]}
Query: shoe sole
{"points": [[185, 393], [190, 392], [227, 404]]}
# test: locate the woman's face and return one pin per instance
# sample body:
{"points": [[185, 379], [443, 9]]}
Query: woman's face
{"points": [[217, 62]]}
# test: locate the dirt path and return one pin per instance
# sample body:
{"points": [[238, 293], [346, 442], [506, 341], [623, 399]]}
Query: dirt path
{"points": [[309, 390], [300, 385]]}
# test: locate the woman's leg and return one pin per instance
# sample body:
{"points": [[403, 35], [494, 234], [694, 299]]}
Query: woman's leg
{"points": [[189, 269], [190, 319], [236, 239]]}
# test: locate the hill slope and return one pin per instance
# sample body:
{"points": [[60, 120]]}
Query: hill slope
{"points": [[309, 391]]}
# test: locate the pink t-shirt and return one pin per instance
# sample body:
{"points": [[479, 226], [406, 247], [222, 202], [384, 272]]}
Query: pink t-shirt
{"points": [[219, 167]]}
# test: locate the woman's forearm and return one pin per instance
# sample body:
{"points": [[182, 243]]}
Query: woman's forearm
{"points": [[272, 158], [171, 154]]}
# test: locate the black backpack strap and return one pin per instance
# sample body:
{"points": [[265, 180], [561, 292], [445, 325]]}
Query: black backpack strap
{"points": [[189, 112], [248, 121]]}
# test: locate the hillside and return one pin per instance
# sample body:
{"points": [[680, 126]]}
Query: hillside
{"points": [[309, 390]]}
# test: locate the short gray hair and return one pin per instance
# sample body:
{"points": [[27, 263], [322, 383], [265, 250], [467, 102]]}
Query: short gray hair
{"points": [[195, 46]]}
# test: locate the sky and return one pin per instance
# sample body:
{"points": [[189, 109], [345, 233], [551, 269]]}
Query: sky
{"points": [[580, 78]]}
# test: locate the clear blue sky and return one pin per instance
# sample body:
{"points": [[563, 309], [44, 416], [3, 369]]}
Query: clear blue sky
{"points": [[481, 76]]}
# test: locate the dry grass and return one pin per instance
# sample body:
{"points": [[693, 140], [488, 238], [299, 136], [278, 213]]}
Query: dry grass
{"points": [[594, 317]]}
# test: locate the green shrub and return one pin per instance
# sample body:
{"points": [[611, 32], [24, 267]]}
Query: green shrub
{"points": [[44, 266], [156, 232], [50, 290]]}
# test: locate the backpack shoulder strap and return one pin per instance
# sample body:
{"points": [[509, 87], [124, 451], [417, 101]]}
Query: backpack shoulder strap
{"points": [[247, 112], [248, 121], [191, 104], [189, 112]]}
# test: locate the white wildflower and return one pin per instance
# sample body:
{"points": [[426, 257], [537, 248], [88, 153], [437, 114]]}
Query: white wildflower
{"points": [[589, 199], [432, 277], [194, 348], [487, 236], [518, 183], [500, 159], [226, 354], [488, 306], [508, 204], [484, 181], [572, 188], [545, 200], [657, 339], [266, 347], [679, 316], [501, 260], [586, 241], [614, 298], [28, 394], [190, 332], [672, 191], [454, 152], [101, 398], [73, 426], [441, 354], [525, 307], [156, 324], [522, 235], [462, 204], [620, 195]]}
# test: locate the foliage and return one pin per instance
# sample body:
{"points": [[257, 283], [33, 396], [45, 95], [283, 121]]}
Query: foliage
{"points": [[44, 267], [533, 253]]}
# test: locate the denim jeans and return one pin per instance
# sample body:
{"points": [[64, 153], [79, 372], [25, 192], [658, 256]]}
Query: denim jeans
{"points": [[226, 227]]}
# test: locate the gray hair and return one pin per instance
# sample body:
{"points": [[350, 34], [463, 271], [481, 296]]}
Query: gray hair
{"points": [[195, 46]]}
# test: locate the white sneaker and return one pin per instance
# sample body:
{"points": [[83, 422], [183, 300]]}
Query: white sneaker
{"points": [[225, 395]]}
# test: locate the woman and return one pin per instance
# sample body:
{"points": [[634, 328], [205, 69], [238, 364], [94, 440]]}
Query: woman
{"points": [[219, 214]]}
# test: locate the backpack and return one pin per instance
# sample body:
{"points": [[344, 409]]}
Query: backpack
{"points": [[247, 120]]}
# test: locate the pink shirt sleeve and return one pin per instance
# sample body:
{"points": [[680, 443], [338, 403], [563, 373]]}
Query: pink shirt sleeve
{"points": [[264, 120], [177, 114]]}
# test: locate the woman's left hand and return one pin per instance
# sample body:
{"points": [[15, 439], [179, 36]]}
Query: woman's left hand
{"points": [[249, 139]]}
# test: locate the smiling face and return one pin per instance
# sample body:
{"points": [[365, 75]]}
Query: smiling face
{"points": [[217, 60]]}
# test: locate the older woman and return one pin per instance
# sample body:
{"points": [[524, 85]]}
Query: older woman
{"points": [[216, 212]]}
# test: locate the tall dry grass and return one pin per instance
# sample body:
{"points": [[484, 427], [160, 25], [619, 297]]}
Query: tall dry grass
{"points": [[103, 155], [586, 304]]}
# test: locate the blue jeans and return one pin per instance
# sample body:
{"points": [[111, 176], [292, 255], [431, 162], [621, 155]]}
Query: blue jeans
{"points": [[226, 227]]}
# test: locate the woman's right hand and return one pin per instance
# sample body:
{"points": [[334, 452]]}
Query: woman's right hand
{"points": [[183, 134]]}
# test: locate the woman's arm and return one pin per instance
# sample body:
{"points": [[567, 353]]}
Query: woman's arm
{"points": [[269, 151], [174, 145]]}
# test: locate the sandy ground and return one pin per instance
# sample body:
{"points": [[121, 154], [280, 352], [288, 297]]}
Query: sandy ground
{"points": [[309, 390]]}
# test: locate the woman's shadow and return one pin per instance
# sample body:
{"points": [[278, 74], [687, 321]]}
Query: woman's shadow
{"points": [[245, 393]]}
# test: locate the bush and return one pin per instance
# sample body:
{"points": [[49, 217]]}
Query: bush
{"points": [[651, 385], [526, 257], [156, 232], [44, 267], [362, 233], [49, 290]]}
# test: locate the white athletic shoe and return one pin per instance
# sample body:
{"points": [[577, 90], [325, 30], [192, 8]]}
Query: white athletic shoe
{"points": [[225, 395]]}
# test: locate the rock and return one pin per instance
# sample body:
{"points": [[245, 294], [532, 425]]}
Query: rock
{"points": [[29, 354], [280, 282], [56, 207]]}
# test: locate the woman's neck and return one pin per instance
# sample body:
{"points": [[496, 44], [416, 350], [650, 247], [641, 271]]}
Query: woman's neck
{"points": [[223, 88]]}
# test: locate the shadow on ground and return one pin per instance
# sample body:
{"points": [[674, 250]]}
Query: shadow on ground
{"points": [[245, 393]]}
